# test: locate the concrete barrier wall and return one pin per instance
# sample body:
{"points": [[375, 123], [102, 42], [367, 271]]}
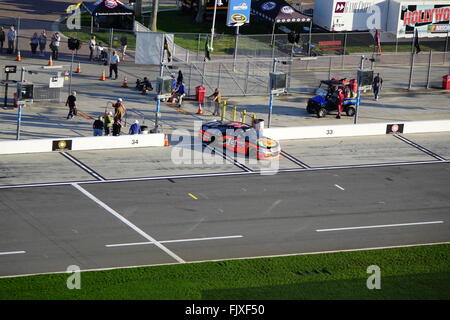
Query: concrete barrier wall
{"points": [[82, 143], [349, 130]]}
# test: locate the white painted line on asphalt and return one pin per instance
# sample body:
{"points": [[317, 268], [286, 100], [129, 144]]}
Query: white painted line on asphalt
{"points": [[128, 223], [172, 241], [339, 187], [11, 252], [230, 259], [380, 226], [223, 174], [82, 166]]}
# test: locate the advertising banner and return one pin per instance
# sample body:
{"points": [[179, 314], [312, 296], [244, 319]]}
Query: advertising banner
{"points": [[427, 19], [238, 12]]}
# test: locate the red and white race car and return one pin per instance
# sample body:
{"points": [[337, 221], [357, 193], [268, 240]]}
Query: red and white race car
{"points": [[241, 138]]}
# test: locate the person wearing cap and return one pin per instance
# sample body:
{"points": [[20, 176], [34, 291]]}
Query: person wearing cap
{"points": [[119, 110], [108, 122], [135, 128]]}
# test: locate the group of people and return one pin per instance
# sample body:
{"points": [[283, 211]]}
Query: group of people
{"points": [[10, 36], [111, 122], [36, 41]]}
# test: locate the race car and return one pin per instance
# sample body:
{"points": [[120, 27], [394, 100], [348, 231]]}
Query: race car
{"points": [[325, 99], [241, 138]]}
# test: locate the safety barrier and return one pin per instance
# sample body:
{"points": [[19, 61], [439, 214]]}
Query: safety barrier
{"points": [[82, 143], [366, 129]]}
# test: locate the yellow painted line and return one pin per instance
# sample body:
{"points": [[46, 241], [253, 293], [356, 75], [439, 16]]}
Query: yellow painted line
{"points": [[192, 196]]}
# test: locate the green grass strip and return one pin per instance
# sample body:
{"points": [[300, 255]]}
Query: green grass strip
{"points": [[421, 272]]}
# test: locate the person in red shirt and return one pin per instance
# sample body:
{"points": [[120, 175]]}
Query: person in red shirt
{"points": [[339, 102]]}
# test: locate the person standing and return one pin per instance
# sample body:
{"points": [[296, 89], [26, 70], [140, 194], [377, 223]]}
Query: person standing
{"points": [[113, 63], [119, 110], [108, 122], [54, 45], [377, 85], [340, 102], [116, 127], [217, 99], [180, 93], [42, 42], [34, 42], [98, 126], [72, 103], [123, 44], [135, 128], [179, 78], [12, 35], [2, 38], [92, 45]]}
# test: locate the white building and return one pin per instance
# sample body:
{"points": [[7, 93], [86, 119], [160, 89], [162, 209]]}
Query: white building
{"points": [[399, 17]]}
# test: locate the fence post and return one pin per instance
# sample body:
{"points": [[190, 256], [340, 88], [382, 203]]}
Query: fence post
{"points": [[246, 77], [220, 74], [235, 48], [343, 53], [18, 35], [204, 73], [288, 85], [190, 77], [446, 47], [429, 69], [396, 44], [198, 44], [329, 68]]}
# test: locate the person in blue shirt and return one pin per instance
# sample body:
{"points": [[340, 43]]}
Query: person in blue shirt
{"points": [[135, 128], [180, 93]]}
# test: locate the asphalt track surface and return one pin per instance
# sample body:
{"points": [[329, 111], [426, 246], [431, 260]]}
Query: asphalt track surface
{"points": [[327, 194]]}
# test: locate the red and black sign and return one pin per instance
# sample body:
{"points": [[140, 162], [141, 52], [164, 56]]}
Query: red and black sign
{"points": [[395, 128], [62, 145]]}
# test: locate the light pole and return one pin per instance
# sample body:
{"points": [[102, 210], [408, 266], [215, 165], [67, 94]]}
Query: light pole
{"points": [[216, 3]]}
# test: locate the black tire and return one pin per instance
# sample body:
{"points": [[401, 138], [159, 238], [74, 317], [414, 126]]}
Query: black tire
{"points": [[310, 109], [321, 113], [350, 111]]}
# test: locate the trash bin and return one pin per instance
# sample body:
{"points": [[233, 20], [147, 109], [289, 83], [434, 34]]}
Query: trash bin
{"points": [[446, 82], [258, 124], [200, 93]]}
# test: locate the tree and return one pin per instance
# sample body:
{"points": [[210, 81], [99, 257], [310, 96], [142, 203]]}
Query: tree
{"points": [[201, 11], [153, 21]]}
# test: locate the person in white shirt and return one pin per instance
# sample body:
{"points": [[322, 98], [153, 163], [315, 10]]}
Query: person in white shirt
{"points": [[91, 47], [113, 62]]}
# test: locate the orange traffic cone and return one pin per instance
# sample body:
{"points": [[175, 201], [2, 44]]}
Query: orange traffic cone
{"points": [[18, 58], [200, 110], [78, 68], [103, 77], [166, 141], [124, 83], [50, 62]]}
